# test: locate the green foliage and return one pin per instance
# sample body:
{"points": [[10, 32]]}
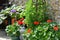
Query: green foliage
{"points": [[27, 9], [16, 14], [13, 30], [2, 17], [36, 11], [44, 31]]}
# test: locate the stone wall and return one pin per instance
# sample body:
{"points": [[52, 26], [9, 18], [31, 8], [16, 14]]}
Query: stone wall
{"points": [[54, 8], [18, 2]]}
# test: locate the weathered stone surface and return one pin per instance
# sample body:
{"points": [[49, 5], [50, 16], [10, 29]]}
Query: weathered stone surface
{"points": [[18, 2], [55, 9]]}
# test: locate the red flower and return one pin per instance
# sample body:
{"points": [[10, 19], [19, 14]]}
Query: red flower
{"points": [[20, 22], [29, 30], [49, 21], [55, 28], [36, 23], [21, 19]]}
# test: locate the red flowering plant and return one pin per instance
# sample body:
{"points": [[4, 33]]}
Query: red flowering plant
{"points": [[49, 21], [21, 21], [44, 31], [39, 28]]}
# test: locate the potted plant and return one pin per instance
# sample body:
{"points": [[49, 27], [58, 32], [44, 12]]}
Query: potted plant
{"points": [[13, 31]]}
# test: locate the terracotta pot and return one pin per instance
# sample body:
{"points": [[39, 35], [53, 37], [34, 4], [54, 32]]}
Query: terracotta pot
{"points": [[12, 20]]}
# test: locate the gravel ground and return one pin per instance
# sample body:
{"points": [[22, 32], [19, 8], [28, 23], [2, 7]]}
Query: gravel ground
{"points": [[3, 35]]}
